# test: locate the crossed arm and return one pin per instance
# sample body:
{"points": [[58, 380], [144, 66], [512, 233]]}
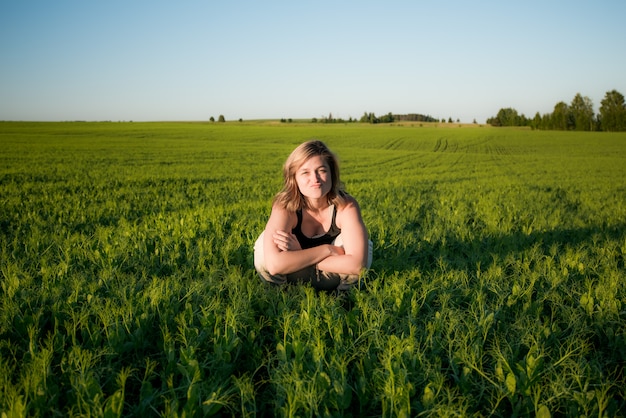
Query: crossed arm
{"points": [[283, 254]]}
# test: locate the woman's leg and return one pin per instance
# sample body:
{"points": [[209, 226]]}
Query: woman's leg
{"points": [[259, 264]]}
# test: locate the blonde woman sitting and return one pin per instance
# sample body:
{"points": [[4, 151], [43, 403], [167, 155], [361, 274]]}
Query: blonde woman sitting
{"points": [[315, 232]]}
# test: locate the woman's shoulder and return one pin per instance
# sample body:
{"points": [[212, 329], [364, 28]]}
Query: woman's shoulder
{"points": [[349, 213], [348, 205], [348, 201], [279, 209], [281, 213]]}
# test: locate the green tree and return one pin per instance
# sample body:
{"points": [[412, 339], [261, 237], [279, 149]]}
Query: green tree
{"points": [[505, 117], [546, 121], [388, 118], [613, 112], [582, 113], [562, 117], [367, 118], [535, 123], [221, 119]]}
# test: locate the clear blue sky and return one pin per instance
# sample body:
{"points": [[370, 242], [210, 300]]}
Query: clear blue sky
{"points": [[190, 60]]}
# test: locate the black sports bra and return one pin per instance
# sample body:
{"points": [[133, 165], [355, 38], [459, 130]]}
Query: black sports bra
{"points": [[327, 238]]}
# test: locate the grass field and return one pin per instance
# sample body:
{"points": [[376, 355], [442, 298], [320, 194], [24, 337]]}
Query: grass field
{"points": [[127, 286]]}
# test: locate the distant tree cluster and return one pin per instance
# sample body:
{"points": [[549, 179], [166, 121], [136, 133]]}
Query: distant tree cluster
{"points": [[389, 118], [577, 116], [331, 119], [414, 117], [372, 118], [219, 119]]}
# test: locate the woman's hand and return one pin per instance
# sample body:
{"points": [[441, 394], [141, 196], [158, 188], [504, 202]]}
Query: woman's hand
{"points": [[334, 250], [286, 241]]}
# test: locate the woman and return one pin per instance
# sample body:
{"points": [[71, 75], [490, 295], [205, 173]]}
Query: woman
{"points": [[315, 232]]}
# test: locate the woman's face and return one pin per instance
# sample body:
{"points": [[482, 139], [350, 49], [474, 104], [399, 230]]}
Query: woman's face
{"points": [[313, 178]]}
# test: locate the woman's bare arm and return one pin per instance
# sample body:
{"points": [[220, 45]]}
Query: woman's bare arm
{"points": [[283, 261], [355, 243]]}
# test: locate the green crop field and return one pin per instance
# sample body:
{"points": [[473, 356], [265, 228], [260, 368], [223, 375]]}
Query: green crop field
{"points": [[498, 286]]}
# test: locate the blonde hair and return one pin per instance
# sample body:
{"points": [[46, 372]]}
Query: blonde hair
{"points": [[289, 197]]}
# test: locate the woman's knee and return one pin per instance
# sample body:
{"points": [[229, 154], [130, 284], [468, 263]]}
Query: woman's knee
{"points": [[370, 249], [259, 264]]}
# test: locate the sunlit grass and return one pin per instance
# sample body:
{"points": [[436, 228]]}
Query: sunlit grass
{"points": [[127, 285]]}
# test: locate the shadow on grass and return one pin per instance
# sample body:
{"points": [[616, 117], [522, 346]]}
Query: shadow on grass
{"points": [[468, 254]]}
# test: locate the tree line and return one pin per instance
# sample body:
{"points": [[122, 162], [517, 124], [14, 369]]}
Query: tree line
{"points": [[577, 116], [372, 118]]}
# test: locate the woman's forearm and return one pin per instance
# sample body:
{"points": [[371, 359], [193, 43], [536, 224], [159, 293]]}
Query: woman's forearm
{"points": [[342, 264], [286, 262]]}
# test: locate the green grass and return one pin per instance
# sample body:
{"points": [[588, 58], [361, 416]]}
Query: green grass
{"points": [[127, 286]]}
